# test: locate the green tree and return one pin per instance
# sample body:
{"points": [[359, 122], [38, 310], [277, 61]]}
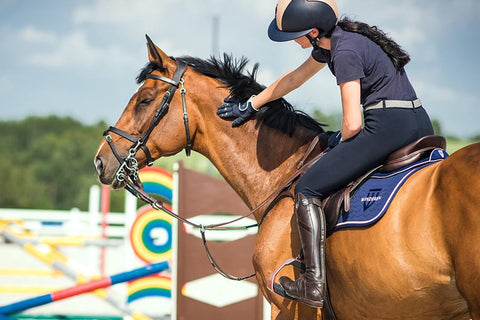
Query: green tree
{"points": [[49, 164], [333, 121]]}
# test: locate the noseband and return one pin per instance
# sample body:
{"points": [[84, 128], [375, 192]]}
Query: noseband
{"points": [[129, 164]]}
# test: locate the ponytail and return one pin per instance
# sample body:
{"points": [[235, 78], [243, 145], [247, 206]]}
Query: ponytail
{"points": [[398, 56]]}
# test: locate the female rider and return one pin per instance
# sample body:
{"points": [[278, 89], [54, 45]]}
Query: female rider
{"points": [[368, 67]]}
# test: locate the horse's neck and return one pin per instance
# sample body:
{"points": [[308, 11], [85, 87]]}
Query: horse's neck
{"points": [[253, 158], [256, 160]]}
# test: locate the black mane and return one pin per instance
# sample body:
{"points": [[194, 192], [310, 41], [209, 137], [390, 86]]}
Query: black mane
{"points": [[279, 115], [149, 68]]}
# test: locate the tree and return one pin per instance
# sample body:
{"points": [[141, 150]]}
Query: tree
{"points": [[437, 128], [49, 163], [333, 121]]}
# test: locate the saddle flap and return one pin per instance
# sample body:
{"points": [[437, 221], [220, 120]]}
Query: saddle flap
{"points": [[332, 206]]}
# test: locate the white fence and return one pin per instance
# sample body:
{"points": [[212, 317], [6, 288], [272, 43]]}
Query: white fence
{"points": [[70, 222]]}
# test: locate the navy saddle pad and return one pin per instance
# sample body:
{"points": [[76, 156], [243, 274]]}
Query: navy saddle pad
{"points": [[374, 196]]}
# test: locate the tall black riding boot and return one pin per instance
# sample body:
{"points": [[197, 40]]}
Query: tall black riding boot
{"points": [[309, 288]]}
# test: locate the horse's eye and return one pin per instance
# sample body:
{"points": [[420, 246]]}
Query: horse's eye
{"points": [[145, 102]]}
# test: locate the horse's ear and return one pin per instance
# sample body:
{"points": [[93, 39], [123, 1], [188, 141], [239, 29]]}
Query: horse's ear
{"points": [[155, 54]]}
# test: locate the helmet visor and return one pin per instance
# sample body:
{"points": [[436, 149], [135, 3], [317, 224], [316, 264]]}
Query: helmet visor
{"points": [[278, 35]]}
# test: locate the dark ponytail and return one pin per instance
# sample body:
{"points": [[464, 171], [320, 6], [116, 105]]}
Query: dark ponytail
{"points": [[398, 56]]}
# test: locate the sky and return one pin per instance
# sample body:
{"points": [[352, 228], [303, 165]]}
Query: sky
{"points": [[80, 58]]}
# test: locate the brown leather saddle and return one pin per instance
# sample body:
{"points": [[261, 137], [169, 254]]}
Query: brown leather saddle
{"points": [[332, 205]]}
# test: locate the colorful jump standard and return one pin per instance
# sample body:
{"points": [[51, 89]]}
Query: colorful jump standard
{"points": [[83, 288]]}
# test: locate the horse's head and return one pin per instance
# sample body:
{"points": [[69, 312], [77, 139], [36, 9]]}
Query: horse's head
{"points": [[154, 123]]}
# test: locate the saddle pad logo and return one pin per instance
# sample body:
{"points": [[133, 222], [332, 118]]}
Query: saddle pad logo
{"points": [[373, 196]]}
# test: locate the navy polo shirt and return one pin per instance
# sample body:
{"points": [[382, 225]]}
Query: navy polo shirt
{"points": [[354, 56]]}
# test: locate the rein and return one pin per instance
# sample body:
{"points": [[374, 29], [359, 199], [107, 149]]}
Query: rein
{"points": [[136, 188], [128, 169]]}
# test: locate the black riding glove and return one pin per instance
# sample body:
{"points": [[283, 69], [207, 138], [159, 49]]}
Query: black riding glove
{"points": [[240, 111], [334, 139]]}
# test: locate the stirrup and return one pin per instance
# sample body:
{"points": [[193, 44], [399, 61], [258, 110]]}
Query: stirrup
{"points": [[277, 287]]}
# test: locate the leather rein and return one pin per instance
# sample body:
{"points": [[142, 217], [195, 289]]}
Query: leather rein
{"points": [[128, 169]]}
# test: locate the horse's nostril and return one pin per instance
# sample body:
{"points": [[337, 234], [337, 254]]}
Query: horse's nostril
{"points": [[99, 166]]}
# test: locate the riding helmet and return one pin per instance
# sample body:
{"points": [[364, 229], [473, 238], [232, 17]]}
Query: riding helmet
{"points": [[296, 18]]}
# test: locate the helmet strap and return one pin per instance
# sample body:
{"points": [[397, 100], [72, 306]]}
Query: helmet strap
{"points": [[313, 41]]}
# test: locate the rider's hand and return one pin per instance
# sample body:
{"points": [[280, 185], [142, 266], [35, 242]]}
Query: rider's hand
{"points": [[334, 139], [240, 111]]}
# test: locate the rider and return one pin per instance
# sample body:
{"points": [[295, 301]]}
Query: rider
{"points": [[369, 69]]}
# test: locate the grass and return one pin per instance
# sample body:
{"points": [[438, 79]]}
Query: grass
{"points": [[454, 144]]}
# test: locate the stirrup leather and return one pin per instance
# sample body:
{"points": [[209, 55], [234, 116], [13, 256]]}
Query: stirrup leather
{"points": [[277, 287]]}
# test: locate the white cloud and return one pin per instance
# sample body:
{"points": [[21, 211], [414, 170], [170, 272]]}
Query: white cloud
{"points": [[261, 10], [421, 19], [120, 11], [75, 50], [433, 91], [33, 35], [172, 16]]}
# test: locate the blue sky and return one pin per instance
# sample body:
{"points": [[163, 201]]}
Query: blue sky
{"points": [[81, 57]]}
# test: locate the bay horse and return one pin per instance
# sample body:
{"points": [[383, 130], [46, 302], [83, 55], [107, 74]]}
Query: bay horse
{"points": [[420, 261]]}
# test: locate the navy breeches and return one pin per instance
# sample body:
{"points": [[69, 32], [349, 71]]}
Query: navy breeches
{"points": [[385, 130]]}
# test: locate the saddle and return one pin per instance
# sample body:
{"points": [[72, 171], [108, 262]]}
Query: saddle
{"points": [[332, 205]]}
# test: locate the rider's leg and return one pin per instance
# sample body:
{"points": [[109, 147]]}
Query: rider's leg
{"points": [[310, 287]]}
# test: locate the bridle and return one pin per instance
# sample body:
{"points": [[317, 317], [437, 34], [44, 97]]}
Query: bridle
{"points": [[129, 164]]}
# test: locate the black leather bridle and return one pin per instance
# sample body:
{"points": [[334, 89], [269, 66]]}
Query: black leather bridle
{"points": [[129, 164]]}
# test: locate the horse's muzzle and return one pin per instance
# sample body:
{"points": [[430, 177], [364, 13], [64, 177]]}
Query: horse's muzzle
{"points": [[106, 177]]}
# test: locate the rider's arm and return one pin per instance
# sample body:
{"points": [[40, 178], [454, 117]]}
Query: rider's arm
{"points": [[352, 115], [288, 82]]}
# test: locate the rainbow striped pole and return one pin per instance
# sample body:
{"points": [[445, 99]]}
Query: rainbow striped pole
{"points": [[83, 288]]}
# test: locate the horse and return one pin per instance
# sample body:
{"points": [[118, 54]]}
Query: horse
{"points": [[420, 261]]}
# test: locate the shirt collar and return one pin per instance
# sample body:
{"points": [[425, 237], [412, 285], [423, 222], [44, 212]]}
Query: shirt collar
{"points": [[335, 38]]}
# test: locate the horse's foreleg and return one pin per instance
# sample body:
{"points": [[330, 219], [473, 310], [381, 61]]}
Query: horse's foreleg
{"points": [[304, 312], [281, 309], [277, 314], [274, 245]]}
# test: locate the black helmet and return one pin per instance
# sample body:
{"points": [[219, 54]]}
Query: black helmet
{"points": [[296, 18]]}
